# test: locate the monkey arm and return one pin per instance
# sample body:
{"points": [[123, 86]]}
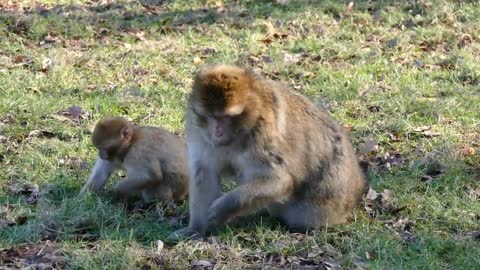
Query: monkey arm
{"points": [[99, 176], [204, 189], [255, 194]]}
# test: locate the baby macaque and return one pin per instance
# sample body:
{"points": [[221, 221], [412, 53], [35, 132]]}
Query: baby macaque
{"points": [[154, 159]]}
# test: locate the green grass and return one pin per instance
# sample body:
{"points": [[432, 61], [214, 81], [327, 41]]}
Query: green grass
{"points": [[384, 68]]}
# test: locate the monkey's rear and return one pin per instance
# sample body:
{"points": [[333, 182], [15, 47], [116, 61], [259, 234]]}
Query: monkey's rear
{"points": [[328, 181]]}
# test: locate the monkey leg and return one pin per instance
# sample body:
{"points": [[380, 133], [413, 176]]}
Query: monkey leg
{"points": [[134, 184], [158, 192], [308, 214], [249, 197]]}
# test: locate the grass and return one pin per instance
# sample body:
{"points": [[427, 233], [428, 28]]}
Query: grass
{"points": [[383, 68]]}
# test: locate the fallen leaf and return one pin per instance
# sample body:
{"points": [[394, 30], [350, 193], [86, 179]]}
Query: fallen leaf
{"points": [[392, 43], [47, 65], [433, 170], [137, 33], [18, 59], [282, 2], [403, 224], [202, 265], [197, 60], [426, 131], [370, 255], [139, 71], [298, 236], [46, 255], [291, 58], [74, 113], [380, 203], [473, 193], [20, 27], [41, 133], [280, 35], [371, 145], [267, 41], [468, 151], [160, 246], [74, 163], [8, 118], [48, 42], [471, 235], [5, 224], [408, 238], [348, 10], [267, 59], [374, 109]]}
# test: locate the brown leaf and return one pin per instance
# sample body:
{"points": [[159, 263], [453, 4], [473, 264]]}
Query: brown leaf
{"points": [[18, 59], [267, 41], [280, 35], [380, 203], [45, 255], [371, 145], [403, 224], [468, 151], [426, 131]]}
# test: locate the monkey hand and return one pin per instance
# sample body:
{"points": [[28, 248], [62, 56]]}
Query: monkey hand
{"points": [[222, 209]]}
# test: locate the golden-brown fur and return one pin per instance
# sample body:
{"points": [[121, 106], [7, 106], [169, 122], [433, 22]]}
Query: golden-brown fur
{"points": [[155, 160], [287, 155]]}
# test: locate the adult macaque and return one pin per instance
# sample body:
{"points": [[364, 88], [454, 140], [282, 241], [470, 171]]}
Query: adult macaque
{"points": [[154, 159], [287, 155]]}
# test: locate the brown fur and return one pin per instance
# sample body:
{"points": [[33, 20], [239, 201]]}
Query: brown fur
{"points": [[221, 87], [155, 160], [287, 155]]}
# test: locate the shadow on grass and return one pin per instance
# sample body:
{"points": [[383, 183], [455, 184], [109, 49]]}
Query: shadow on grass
{"points": [[36, 20]]}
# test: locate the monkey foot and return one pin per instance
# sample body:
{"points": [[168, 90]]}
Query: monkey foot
{"points": [[184, 235]]}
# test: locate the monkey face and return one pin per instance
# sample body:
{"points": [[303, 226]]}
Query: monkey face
{"points": [[110, 136], [109, 151], [221, 128]]}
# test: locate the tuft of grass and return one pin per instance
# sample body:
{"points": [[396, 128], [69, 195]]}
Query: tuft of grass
{"points": [[384, 68]]}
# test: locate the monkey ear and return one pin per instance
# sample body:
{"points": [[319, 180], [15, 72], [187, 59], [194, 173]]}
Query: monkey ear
{"points": [[126, 133]]}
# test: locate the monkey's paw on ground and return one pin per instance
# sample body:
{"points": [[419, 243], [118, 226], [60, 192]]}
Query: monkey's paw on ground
{"points": [[184, 234]]}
